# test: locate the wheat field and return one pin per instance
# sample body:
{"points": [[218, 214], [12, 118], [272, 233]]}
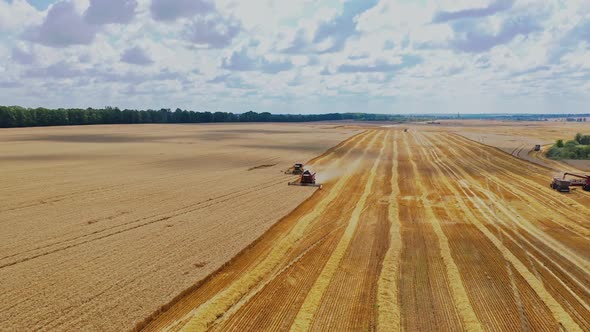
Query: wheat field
{"points": [[102, 225], [193, 228]]}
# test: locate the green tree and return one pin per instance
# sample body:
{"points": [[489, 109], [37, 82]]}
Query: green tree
{"points": [[248, 116], [7, 118], [559, 143], [554, 153], [219, 117], [15, 116]]}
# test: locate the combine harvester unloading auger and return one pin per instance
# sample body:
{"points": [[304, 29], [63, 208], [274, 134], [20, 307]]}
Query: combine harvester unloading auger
{"points": [[580, 181], [562, 184]]}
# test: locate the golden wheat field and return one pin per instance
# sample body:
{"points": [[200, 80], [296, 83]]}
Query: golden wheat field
{"points": [[193, 228], [519, 138], [102, 225]]}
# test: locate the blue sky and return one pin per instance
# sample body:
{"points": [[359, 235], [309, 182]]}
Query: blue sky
{"points": [[380, 56]]}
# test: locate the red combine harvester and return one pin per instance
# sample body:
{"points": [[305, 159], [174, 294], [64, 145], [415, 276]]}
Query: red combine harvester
{"points": [[307, 179], [580, 181], [563, 184]]}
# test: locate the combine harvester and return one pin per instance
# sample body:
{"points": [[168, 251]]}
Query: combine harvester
{"points": [[560, 185], [296, 169], [563, 184], [307, 179]]}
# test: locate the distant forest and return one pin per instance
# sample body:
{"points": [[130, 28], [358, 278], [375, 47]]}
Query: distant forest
{"points": [[16, 116]]}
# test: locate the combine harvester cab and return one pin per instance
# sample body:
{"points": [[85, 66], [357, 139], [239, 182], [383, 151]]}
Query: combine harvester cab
{"points": [[307, 179]]}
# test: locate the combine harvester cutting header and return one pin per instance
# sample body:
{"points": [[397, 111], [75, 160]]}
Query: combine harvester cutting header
{"points": [[306, 179]]}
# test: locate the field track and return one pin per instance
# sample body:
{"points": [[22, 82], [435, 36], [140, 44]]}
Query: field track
{"points": [[421, 231]]}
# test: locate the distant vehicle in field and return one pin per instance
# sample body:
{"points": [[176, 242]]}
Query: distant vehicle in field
{"points": [[538, 147], [296, 169]]}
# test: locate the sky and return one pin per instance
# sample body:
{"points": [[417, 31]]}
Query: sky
{"points": [[298, 56]]}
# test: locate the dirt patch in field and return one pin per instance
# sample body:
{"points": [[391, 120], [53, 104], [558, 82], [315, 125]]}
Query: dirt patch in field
{"points": [[261, 166], [583, 165]]}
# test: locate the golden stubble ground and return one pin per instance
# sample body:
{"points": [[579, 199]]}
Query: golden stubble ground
{"points": [[423, 230], [419, 231], [519, 138], [102, 225]]}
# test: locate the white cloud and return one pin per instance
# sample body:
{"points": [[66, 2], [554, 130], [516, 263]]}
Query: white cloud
{"points": [[291, 55], [63, 26], [211, 31], [22, 55], [170, 10], [16, 15], [110, 11], [136, 56], [240, 60]]}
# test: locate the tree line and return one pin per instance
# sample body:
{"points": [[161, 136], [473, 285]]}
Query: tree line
{"points": [[578, 148], [16, 116]]}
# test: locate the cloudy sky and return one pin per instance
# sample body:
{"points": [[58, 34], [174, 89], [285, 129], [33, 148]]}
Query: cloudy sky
{"points": [[298, 56]]}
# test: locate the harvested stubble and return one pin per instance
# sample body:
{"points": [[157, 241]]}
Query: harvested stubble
{"points": [[423, 231], [418, 231], [103, 225]]}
